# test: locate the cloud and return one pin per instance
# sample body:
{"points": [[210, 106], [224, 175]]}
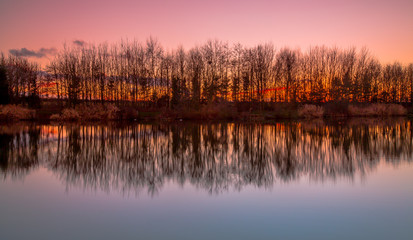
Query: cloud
{"points": [[79, 43], [24, 52]]}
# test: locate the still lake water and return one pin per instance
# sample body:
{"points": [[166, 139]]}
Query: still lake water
{"points": [[290, 180]]}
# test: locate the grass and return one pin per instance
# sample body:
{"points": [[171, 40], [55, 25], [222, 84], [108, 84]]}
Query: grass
{"points": [[254, 112], [311, 111], [89, 112], [377, 110], [222, 111], [16, 112]]}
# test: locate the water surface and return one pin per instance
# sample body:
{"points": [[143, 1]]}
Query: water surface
{"points": [[289, 180]]}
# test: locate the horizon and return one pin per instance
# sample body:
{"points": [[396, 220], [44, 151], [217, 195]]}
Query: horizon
{"points": [[40, 28]]}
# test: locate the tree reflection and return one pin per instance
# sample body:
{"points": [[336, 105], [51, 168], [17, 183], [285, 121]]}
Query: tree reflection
{"points": [[213, 157], [19, 146]]}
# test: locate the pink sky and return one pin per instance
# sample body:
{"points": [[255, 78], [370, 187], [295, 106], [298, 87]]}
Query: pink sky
{"points": [[384, 27]]}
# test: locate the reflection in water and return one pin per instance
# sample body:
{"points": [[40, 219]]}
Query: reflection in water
{"points": [[18, 149], [214, 157]]}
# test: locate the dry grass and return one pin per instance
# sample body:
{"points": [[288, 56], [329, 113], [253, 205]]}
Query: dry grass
{"points": [[128, 113], [88, 112], [15, 112], [397, 110], [212, 111], [96, 112], [311, 111], [67, 114], [217, 111], [377, 110]]}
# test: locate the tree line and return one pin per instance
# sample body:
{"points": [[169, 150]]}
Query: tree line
{"points": [[19, 80], [133, 71]]}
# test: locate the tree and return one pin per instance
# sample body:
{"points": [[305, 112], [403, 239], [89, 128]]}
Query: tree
{"points": [[4, 86], [286, 66], [195, 68], [154, 52], [236, 67], [409, 75], [176, 96], [264, 55]]}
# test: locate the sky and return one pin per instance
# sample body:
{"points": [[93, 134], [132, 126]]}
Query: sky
{"points": [[40, 28]]}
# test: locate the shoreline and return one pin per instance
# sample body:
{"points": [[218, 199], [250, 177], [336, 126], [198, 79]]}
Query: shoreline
{"points": [[109, 112]]}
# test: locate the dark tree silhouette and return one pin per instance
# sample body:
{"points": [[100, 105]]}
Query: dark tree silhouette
{"points": [[4, 86], [213, 72]]}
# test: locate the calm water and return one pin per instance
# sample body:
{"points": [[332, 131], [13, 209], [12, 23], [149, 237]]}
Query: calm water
{"points": [[301, 180]]}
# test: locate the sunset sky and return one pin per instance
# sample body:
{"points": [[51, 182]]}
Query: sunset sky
{"points": [[38, 27]]}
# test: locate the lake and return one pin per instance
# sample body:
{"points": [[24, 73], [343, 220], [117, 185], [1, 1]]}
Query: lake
{"points": [[284, 180]]}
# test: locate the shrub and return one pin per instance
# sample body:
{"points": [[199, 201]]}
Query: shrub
{"points": [[91, 112], [55, 117], [377, 109], [15, 112], [215, 111], [397, 110], [358, 111], [112, 112], [286, 110], [311, 111], [88, 112], [336, 109], [68, 114], [211, 111], [128, 113]]}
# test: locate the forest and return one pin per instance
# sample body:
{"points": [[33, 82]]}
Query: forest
{"points": [[148, 75]]}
